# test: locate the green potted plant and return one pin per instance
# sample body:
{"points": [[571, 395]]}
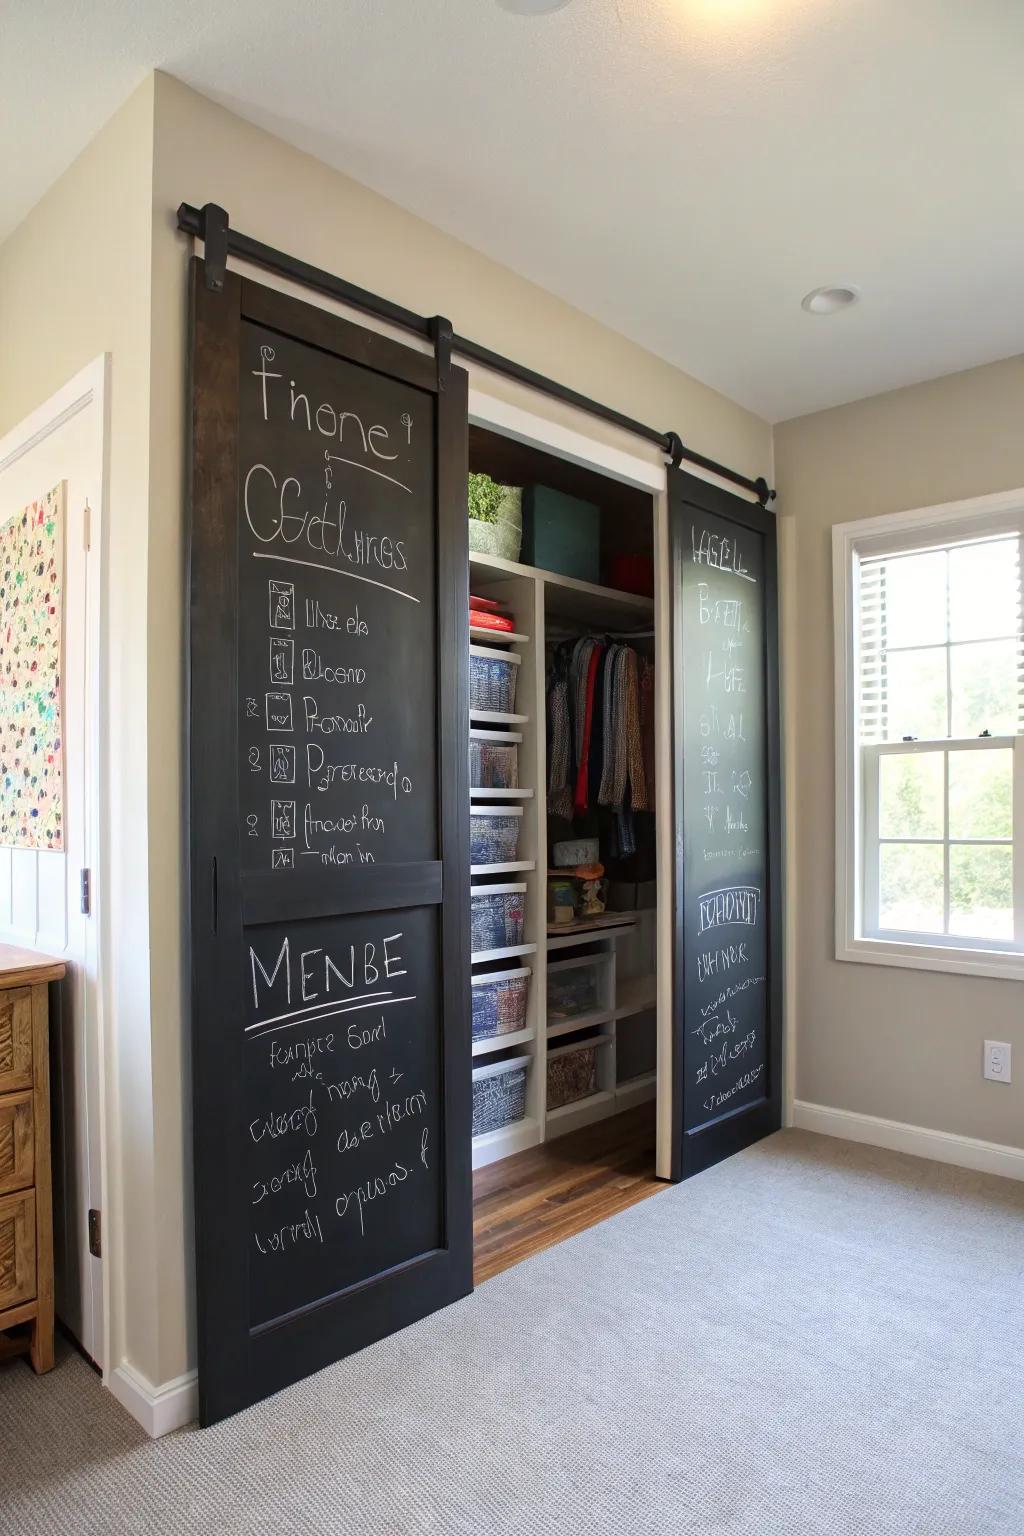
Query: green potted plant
{"points": [[495, 517]]}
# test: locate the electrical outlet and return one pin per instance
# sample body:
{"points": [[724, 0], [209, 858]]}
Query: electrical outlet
{"points": [[997, 1063]]}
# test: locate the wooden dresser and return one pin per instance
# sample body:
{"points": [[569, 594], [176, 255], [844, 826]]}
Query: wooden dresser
{"points": [[26, 1215]]}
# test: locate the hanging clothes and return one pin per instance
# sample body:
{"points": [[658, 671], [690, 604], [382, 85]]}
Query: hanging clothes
{"points": [[600, 715], [560, 737]]}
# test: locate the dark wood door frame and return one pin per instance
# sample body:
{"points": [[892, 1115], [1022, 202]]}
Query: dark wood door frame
{"points": [[239, 1364], [697, 1148]]}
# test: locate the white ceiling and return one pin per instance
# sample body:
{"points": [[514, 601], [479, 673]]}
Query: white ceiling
{"points": [[685, 170]]}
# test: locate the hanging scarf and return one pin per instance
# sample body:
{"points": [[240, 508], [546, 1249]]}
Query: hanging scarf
{"points": [[595, 757], [604, 794], [579, 669], [559, 738], [647, 727], [582, 800], [634, 741], [618, 715]]}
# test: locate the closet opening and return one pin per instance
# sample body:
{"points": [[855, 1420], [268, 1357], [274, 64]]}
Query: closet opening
{"points": [[565, 856]]}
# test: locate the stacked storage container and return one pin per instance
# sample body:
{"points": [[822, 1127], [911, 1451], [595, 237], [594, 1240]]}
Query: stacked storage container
{"points": [[501, 980], [493, 676]]}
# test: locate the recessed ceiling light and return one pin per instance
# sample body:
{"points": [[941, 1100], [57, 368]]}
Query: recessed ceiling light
{"points": [[532, 7], [828, 301]]}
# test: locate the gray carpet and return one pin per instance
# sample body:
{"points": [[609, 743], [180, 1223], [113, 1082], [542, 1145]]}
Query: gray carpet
{"points": [[812, 1337]]}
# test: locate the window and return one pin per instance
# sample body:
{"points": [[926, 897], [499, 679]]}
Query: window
{"points": [[930, 750]]}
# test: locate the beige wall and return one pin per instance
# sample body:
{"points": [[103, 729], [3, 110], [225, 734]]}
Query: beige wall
{"points": [[904, 1045], [75, 283]]}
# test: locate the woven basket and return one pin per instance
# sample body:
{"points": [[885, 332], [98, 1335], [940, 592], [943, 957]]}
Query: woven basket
{"points": [[572, 1076]]}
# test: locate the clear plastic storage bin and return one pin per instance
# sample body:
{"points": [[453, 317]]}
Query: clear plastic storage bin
{"points": [[494, 759], [573, 991]]}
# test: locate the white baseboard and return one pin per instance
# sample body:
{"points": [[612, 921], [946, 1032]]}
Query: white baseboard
{"points": [[940, 1146], [157, 1409]]}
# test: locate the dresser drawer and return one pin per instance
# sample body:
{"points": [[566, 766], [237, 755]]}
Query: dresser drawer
{"points": [[17, 1249], [17, 1142], [15, 1040]]}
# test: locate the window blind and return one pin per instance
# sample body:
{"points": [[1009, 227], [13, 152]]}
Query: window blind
{"points": [[879, 591]]}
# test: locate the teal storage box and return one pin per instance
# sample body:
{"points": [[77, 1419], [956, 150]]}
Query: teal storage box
{"points": [[561, 533]]}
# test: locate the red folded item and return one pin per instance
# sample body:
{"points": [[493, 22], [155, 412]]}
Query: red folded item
{"points": [[496, 621], [490, 603]]}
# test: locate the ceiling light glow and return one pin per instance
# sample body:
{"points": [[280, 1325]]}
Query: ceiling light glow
{"points": [[830, 300]]}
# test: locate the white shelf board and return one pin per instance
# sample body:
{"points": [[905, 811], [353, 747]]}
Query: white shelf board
{"points": [[500, 1042], [491, 565], [496, 717], [482, 956], [580, 1045], [497, 636], [591, 1102], [634, 994], [502, 869], [603, 922], [579, 961], [562, 935], [582, 1021], [636, 1090], [572, 1117], [501, 794], [570, 595], [504, 1143], [570, 605]]}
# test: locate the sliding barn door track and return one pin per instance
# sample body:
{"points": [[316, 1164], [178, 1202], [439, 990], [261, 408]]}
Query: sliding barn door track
{"points": [[212, 225]]}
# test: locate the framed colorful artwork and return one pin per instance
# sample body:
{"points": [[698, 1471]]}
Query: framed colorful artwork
{"points": [[31, 675]]}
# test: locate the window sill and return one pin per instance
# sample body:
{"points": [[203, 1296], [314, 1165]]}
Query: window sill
{"points": [[1007, 965]]}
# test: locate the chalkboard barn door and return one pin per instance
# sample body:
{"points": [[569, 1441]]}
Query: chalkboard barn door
{"points": [[727, 961], [329, 802]]}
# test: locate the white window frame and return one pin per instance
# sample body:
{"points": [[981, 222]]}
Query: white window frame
{"points": [[856, 800]]}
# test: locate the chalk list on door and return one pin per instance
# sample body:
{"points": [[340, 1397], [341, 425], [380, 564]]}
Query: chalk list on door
{"points": [[337, 723], [725, 769], [336, 612], [342, 1094]]}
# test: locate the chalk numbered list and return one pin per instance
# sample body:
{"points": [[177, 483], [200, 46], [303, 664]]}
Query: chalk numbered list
{"points": [[337, 765], [336, 588], [726, 820]]}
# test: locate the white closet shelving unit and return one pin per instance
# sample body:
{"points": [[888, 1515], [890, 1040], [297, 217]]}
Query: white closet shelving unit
{"points": [[541, 602]]}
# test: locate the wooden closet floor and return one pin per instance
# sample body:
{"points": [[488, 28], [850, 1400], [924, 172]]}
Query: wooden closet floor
{"points": [[525, 1203]]}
